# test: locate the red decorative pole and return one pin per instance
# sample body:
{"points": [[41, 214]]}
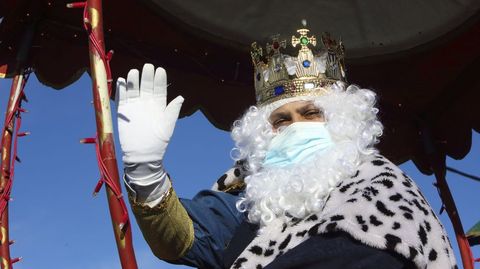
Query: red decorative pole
{"points": [[10, 135], [437, 162], [5, 180], [451, 208], [100, 72]]}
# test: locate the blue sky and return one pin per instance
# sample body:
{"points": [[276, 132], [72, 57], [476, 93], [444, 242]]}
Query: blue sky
{"points": [[56, 222]]}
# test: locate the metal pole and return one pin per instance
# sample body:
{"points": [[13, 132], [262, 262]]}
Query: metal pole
{"points": [[122, 231], [6, 176], [437, 162], [15, 90], [450, 207]]}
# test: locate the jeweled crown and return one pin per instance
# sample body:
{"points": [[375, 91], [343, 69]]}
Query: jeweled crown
{"points": [[279, 76]]}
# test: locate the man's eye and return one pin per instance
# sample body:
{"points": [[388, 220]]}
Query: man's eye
{"points": [[313, 112], [279, 122]]}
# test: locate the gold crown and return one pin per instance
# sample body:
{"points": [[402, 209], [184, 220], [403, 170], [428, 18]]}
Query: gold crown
{"points": [[279, 76]]}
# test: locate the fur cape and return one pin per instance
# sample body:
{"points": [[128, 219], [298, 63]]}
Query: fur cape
{"points": [[379, 206]]}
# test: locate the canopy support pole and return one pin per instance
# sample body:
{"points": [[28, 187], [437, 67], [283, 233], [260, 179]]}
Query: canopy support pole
{"points": [[450, 207], [438, 165], [105, 140], [7, 134]]}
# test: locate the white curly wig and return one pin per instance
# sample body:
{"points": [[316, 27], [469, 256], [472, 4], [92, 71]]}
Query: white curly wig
{"points": [[351, 119]]}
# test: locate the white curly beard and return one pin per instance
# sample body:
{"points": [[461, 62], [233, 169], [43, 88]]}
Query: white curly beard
{"points": [[298, 190]]}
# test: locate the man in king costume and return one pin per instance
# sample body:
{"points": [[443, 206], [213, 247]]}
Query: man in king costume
{"points": [[308, 189]]}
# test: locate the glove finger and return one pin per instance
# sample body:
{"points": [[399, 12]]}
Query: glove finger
{"points": [[133, 89], [146, 83], [121, 92], [173, 109], [160, 85]]}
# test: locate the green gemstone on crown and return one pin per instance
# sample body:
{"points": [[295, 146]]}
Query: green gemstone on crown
{"points": [[304, 40]]}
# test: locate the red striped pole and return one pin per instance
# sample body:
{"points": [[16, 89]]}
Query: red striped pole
{"points": [[451, 208], [101, 96], [438, 164], [7, 133]]}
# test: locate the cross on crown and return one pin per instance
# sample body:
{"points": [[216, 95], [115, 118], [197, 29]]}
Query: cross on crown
{"points": [[303, 40], [274, 48], [256, 53], [336, 58]]}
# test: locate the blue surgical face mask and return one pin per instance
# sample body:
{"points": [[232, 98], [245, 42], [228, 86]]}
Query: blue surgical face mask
{"points": [[298, 142]]}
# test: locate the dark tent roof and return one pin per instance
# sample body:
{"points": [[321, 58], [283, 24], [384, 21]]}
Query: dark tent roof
{"points": [[421, 59]]}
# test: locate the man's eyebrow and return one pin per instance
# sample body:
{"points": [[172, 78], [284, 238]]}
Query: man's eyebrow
{"points": [[279, 114], [306, 107]]}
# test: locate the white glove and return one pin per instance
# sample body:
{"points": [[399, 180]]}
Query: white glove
{"points": [[145, 122]]}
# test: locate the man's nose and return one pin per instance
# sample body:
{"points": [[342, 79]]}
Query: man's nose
{"points": [[297, 118]]}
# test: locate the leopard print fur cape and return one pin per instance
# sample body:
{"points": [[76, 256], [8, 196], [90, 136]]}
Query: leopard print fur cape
{"points": [[379, 206]]}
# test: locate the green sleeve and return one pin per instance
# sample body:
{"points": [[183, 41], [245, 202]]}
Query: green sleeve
{"points": [[167, 228]]}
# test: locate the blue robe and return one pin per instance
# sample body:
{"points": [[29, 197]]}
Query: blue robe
{"points": [[216, 221]]}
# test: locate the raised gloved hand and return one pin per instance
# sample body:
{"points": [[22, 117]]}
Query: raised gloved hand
{"points": [[145, 122]]}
